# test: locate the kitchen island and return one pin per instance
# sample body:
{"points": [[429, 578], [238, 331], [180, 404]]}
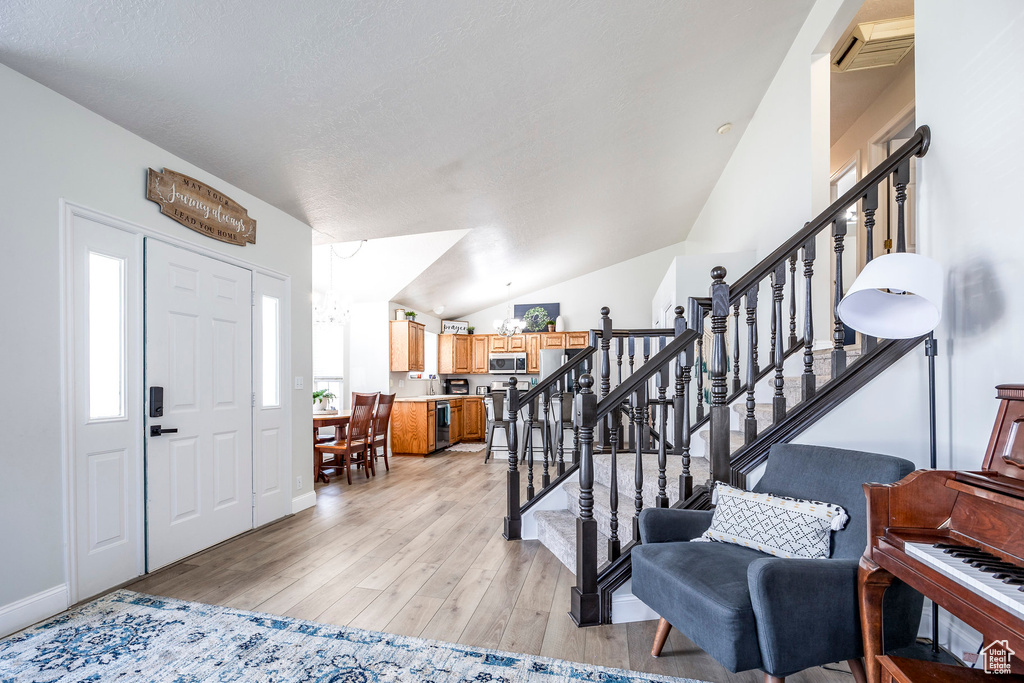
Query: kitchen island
{"points": [[414, 422]]}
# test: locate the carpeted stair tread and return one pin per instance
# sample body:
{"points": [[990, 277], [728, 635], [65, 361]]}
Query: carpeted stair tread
{"points": [[556, 530]]}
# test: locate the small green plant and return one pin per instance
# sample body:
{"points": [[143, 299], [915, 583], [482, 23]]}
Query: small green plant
{"points": [[323, 395], [411, 315], [550, 323], [470, 329]]}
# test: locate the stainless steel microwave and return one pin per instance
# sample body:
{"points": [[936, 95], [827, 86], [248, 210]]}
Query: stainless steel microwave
{"points": [[507, 364]]}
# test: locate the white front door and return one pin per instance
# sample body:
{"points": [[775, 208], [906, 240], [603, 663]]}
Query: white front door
{"points": [[199, 351]]}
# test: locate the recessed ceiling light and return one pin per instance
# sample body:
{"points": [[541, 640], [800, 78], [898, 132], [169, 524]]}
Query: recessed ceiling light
{"points": [[724, 128]]}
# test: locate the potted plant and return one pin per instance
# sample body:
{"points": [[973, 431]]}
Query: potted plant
{"points": [[410, 315], [551, 325], [322, 399], [469, 330]]}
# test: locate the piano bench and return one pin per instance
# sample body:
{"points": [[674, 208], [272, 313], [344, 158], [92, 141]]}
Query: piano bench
{"points": [[901, 670]]}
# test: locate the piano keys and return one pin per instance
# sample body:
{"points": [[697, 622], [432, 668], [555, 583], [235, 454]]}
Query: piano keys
{"points": [[957, 537]]}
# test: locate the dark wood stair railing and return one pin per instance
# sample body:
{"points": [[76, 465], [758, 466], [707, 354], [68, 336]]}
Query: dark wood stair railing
{"points": [[597, 415]]}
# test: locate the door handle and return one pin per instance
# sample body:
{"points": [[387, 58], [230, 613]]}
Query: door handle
{"points": [[157, 430]]}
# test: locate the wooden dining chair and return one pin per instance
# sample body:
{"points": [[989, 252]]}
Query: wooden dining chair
{"points": [[379, 430], [353, 449]]}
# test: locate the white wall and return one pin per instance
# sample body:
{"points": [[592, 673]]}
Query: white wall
{"points": [[54, 149], [970, 92], [777, 178]]}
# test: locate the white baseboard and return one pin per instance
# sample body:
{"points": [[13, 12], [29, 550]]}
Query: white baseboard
{"points": [[27, 611], [627, 608], [306, 500]]}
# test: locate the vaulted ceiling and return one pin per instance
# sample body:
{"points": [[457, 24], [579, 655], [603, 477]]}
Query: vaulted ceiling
{"points": [[563, 135]]}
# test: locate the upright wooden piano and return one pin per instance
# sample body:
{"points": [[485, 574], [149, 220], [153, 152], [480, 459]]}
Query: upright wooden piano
{"points": [[957, 537]]}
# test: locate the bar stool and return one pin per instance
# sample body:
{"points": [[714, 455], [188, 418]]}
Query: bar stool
{"points": [[494, 407]]}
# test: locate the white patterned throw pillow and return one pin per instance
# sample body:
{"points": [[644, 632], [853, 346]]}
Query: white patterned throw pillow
{"points": [[781, 526]]}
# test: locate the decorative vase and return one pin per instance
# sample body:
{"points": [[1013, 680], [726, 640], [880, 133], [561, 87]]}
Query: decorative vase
{"points": [[559, 324], [399, 314]]}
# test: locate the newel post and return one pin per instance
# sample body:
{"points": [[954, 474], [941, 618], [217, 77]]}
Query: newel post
{"points": [[513, 520], [720, 426], [585, 610]]}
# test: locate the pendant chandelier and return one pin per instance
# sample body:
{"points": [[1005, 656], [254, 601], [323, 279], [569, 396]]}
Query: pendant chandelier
{"points": [[509, 326]]}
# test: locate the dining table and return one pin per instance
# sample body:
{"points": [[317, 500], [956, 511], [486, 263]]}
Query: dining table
{"points": [[339, 421]]}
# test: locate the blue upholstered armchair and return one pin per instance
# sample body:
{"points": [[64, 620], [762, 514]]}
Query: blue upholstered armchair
{"points": [[750, 610]]}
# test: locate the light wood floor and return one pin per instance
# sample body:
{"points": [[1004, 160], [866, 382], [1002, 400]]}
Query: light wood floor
{"points": [[418, 551]]}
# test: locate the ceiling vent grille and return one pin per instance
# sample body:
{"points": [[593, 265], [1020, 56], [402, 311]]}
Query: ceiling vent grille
{"points": [[875, 44]]}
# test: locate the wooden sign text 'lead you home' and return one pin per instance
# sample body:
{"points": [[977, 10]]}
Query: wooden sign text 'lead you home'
{"points": [[199, 207]]}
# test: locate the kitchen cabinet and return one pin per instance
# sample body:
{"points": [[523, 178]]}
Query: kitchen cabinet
{"points": [[480, 352], [413, 427], [407, 346], [473, 419], [532, 353], [454, 354], [577, 340], [497, 343], [455, 428], [552, 340], [414, 423], [517, 343]]}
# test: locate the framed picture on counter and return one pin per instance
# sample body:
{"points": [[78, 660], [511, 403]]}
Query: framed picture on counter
{"points": [[454, 327]]}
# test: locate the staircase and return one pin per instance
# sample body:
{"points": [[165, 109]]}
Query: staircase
{"points": [[765, 387], [556, 529]]}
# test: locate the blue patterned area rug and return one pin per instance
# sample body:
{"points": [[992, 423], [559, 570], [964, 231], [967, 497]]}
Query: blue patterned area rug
{"points": [[134, 637]]}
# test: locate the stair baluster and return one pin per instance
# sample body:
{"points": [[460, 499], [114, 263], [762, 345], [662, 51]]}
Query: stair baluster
{"points": [[513, 519], [869, 204], [560, 431], [528, 449], [807, 380], [779, 399], [545, 479], [618, 361], [719, 446], [736, 384], [662, 381], [639, 401], [614, 544], [699, 320], [750, 423], [901, 179], [838, 333], [793, 341], [575, 425], [632, 352], [585, 607], [681, 409], [605, 334]]}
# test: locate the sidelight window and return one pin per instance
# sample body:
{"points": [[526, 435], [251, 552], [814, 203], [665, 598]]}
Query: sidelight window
{"points": [[106, 334]]}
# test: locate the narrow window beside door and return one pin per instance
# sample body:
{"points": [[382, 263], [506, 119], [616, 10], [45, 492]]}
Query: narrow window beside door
{"points": [[106, 337], [271, 352]]}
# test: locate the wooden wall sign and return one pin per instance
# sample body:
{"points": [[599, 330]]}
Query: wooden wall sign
{"points": [[199, 207]]}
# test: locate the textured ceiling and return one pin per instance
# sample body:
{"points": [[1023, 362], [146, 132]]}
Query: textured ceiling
{"points": [[564, 135]]}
